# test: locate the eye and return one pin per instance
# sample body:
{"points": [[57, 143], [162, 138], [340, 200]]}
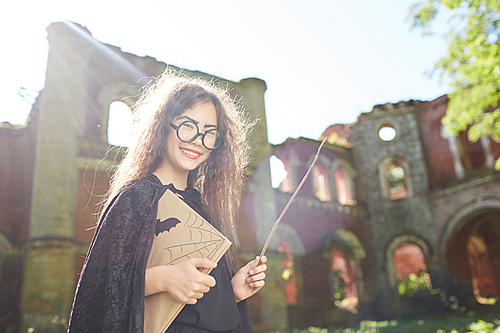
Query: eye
{"points": [[189, 125], [212, 133]]}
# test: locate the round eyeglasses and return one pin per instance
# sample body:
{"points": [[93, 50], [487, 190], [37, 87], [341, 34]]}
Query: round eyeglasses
{"points": [[188, 131]]}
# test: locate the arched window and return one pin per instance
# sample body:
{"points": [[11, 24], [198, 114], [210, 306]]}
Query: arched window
{"points": [[288, 274], [410, 269], [321, 183], [279, 175], [119, 124], [344, 187], [484, 283], [343, 281], [395, 177]]}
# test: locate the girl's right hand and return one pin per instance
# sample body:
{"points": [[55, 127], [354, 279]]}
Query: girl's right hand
{"points": [[183, 280]]}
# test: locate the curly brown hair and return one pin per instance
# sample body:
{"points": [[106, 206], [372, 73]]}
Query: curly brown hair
{"points": [[219, 179]]}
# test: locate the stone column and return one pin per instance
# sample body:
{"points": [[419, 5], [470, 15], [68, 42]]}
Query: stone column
{"points": [[49, 276], [272, 309]]}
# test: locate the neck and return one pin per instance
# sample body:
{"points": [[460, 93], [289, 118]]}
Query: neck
{"points": [[166, 174]]}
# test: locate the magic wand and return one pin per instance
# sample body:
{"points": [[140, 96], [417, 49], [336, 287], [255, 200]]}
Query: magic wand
{"points": [[290, 201]]}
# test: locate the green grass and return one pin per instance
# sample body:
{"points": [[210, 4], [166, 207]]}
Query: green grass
{"points": [[444, 323]]}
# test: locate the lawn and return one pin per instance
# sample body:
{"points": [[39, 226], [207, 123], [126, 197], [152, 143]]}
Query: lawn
{"points": [[444, 323]]}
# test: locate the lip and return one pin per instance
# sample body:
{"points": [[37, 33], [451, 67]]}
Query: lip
{"points": [[193, 157]]}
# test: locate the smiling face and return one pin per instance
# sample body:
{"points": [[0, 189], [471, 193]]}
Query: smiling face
{"points": [[182, 157]]}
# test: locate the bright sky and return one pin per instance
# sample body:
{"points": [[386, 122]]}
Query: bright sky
{"points": [[324, 61]]}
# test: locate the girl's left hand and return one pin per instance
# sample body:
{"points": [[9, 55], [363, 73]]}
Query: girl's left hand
{"points": [[249, 279]]}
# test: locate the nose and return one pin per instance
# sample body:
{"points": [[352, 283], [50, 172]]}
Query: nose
{"points": [[199, 139]]}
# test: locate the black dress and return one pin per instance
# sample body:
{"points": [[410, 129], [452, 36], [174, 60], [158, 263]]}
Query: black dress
{"points": [[110, 292]]}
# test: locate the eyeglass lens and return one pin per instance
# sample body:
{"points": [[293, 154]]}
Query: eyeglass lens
{"points": [[188, 131]]}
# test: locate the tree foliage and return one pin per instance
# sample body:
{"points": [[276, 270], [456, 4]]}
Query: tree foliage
{"points": [[472, 63]]}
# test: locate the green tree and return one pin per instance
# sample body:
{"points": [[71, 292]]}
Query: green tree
{"points": [[472, 63]]}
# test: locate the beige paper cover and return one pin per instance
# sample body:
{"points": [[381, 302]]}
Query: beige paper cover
{"points": [[193, 237]]}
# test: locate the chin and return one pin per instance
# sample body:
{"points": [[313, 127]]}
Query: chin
{"points": [[192, 166]]}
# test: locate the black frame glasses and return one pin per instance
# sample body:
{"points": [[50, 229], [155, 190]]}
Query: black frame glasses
{"points": [[218, 140]]}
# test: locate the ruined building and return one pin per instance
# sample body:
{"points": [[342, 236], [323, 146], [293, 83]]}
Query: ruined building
{"points": [[423, 229], [376, 213]]}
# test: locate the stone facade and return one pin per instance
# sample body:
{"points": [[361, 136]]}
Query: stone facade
{"points": [[58, 165], [447, 206]]}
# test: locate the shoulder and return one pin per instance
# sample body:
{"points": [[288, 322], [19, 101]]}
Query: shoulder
{"points": [[134, 205], [139, 197], [144, 192]]}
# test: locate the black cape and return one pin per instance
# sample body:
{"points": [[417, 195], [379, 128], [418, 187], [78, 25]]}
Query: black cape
{"points": [[110, 293]]}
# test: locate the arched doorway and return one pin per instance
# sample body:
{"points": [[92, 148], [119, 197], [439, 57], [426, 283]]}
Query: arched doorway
{"points": [[346, 277], [473, 255], [343, 281]]}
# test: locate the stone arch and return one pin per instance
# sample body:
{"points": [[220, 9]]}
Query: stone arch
{"points": [[356, 251], [291, 162], [291, 237], [461, 217], [347, 166], [123, 91], [330, 167], [120, 120], [384, 185], [338, 162], [394, 244], [278, 168], [471, 252], [350, 238], [322, 180], [322, 168]]}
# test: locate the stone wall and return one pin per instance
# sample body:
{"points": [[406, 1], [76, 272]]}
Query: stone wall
{"points": [[72, 162], [388, 219]]}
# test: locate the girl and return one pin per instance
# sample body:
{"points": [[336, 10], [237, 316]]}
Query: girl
{"points": [[190, 138]]}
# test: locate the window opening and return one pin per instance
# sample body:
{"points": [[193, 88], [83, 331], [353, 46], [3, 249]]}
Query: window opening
{"points": [[411, 270], [279, 175], [343, 185], [119, 124], [387, 133], [396, 178], [321, 183], [288, 274]]}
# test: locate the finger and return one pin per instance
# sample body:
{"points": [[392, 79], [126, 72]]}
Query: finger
{"points": [[258, 284], [206, 280], [257, 277], [204, 289], [253, 263], [258, 269], [259, 261], [191, 301], [209, 281], [198, 295], [203, 263]]}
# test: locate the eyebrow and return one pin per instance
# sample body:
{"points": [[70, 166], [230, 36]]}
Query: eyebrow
{"points": [[196, 122]]}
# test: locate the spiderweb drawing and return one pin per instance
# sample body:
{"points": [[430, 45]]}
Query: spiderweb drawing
{"points": [[204, 242]]}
